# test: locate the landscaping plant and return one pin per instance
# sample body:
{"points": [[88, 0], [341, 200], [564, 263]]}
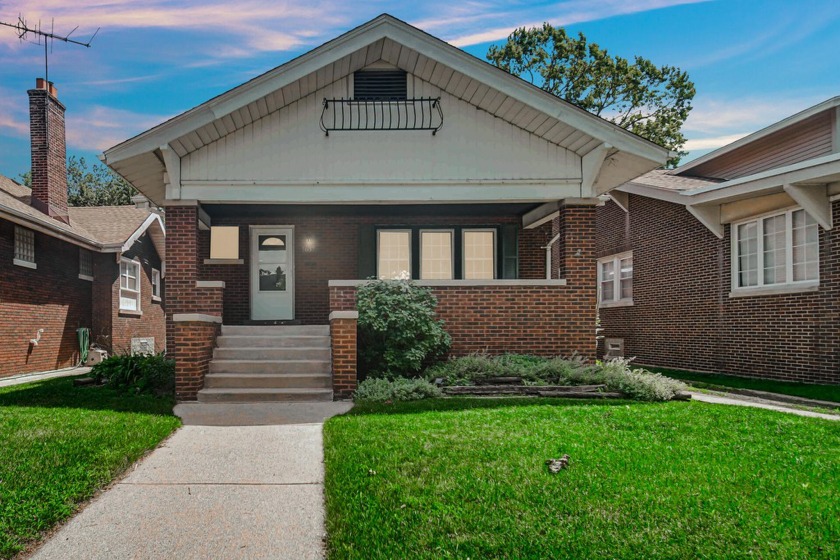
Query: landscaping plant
{"points": [[400, 389], [152, 373], [399, 334]]}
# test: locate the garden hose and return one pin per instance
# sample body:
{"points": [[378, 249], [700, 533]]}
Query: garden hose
{"points": [[84, 341]]}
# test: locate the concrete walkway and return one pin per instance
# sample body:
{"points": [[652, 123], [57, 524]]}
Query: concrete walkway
{"points": [[209, 492], [32, 377], [737, 400]]}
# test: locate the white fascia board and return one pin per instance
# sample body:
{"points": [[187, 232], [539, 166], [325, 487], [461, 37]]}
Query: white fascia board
{"points": [[775, 127], [406, 35], [421, 193], [151, 219], [591, 167]]}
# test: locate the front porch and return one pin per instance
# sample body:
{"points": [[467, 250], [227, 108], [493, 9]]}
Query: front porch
{"points": [[533, 293]]}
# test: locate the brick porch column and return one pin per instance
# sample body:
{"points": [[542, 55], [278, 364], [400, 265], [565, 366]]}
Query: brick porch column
{"points": [[343, 325], [575, 253], [193, 308]]}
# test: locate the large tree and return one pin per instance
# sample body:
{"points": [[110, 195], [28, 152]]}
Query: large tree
{"points": [[651, 101], [94, 186]]}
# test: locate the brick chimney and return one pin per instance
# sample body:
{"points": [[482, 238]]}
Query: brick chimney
{"points": [[49, 156]]}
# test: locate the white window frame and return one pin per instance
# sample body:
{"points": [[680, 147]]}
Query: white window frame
{"points": [[82, 253], [452, 242], [379, 248], [789, 285], [616, 260], [137, 293], [20, 233], [464, 232], [156, 284]]}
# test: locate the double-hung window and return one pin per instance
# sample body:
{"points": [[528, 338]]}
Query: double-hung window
{"points": [[615, 280], [436, 254], [479, 254], [24, 247], [773, 251], [156, 284], [129, 285], [444, 253], [393, 250]]}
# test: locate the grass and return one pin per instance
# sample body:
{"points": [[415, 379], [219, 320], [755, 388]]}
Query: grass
{"points": [[466, 478], [59, 444], [723, 382]]}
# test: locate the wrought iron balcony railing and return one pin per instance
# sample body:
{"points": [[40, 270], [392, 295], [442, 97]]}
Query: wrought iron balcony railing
{"points": [[422, 113]]}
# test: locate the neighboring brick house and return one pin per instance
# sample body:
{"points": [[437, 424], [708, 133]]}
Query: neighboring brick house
{"points": [[730, 263], [65, 268], [381, 153]]}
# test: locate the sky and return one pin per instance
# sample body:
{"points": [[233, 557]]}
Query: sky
{"points": [[754, 62]]}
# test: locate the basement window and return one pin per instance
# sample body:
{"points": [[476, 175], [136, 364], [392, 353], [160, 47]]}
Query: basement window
{"points": [[85, 265], [129, 285], [380, 85], [24, 247]]}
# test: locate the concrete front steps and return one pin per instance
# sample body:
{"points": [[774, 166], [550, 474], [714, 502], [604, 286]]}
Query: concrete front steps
{"points": [[269, 364]]}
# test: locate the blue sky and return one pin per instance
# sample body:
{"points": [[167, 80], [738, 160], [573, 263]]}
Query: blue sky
{"points": [[753, 61]]}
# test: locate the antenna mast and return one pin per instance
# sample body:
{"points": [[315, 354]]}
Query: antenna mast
{"points": [[23, 30]]}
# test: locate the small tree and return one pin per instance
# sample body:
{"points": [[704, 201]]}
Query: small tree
{"points": [[651, 101], [399, 334]]}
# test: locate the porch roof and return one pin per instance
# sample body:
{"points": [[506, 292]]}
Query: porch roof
{"points": [[151, 160]]}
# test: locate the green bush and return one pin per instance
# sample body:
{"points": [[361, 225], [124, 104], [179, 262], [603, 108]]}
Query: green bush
{"points": [[399, 334], [152, 373], [400, 389], [616, 375]]}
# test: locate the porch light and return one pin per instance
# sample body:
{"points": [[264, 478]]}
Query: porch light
{"points": [[309, 244]]}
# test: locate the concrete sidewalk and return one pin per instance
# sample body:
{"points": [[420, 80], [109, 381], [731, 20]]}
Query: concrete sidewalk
{"points": [[738, 400], [40, 376], [209, 492]]}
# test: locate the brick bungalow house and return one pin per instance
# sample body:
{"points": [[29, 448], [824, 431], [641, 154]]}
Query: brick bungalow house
{"points": [[66, 268], [730, 263], [385, 151]]}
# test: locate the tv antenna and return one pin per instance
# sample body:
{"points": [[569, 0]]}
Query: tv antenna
{"points": [[48, 38]]}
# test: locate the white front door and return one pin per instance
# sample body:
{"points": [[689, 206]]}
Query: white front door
{"points": [[272, 273]]}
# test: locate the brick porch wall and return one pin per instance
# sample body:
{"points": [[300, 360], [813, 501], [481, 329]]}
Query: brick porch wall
{"points": [[682, 316]]}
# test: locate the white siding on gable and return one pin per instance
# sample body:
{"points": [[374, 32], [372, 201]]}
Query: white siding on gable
{"points": [[287, 145]]}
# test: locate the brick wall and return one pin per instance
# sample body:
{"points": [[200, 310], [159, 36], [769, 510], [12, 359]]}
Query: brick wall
{"points": [[49, 167], [682, 316], [335, 256], [52, 298], [343, 335]]}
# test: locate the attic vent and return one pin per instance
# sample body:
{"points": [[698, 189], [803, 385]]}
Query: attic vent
{"points": [[387, 85]]}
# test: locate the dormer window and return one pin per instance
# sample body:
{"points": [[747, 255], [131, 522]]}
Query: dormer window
{"points": [[380, 85]]}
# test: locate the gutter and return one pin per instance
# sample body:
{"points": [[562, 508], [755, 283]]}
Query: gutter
{"points": [[75, 239], [548, 256]]}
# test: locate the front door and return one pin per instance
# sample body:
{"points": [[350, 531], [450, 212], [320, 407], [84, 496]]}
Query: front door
{"points": [[272, 273]]}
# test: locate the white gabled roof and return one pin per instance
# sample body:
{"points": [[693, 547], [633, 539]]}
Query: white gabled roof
{"points": [[383, 38]]}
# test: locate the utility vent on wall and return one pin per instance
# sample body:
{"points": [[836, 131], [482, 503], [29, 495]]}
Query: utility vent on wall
{"points": [[143, 346], [380, 85], [614, 348]]}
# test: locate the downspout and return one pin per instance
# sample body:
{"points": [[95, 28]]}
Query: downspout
{"points": [[548, 256]]}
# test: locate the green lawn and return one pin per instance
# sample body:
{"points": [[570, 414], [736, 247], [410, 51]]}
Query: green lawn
{"points": [[59, 444], [720, 381], [462, 478]]}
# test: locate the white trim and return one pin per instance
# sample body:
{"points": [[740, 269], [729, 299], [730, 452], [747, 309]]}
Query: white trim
{"points": [[761, 288], [291, 263], [23, 220], [84, 277], [138, 292], [151, 219], [457, 283], [776, 289], [157, 299], [224, 261], [25, 264], [130, 313], [621, 199], [344, 315], [814, 200], [591, 165], [209, 284], [709, 216], [195, 318], [157, 284], [615, 259]]}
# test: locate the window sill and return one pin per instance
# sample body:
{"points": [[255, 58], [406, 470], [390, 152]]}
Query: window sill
{"points": [[619, 303], [130, 313], [775, 290], [25, 264], [156, 299], [224, 261], [85, 277]]}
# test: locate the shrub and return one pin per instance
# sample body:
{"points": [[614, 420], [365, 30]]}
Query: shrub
{"points": [[399, 334], [616, 374], [152, 373], [401, 389]]}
